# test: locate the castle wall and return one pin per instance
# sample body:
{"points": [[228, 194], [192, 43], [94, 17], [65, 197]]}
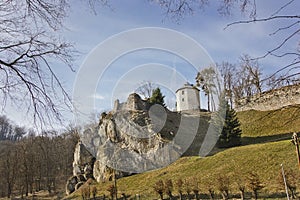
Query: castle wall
{"points": [[134, 102], [271, 100]]}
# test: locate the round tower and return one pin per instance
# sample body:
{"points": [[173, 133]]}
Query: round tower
{"points": [[187, 98]]}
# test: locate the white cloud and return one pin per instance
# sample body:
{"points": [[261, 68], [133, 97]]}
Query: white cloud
{"points": [[98, 97]]}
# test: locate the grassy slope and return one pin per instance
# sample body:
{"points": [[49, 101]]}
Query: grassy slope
{"points": [[264, 123], [265, 159]]}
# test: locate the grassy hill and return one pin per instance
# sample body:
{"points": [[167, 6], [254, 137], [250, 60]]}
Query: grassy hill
{"points": [[258, 155], [265, 159], [274, 122]]}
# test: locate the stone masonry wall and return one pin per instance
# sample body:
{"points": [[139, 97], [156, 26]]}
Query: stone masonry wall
{"points": [[271, 100], [134, 102]]}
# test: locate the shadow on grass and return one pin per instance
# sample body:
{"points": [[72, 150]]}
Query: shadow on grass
{"points": [[264, 139], [248, 195]]}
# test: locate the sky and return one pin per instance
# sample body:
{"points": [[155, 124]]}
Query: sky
{"points": [[90, 31]]}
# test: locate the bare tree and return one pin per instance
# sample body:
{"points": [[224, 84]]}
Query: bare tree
{"points": [[252, 75], [240, 182], [195, 188], [206, 79], [30, 50], [168, 187], [145, 89], [291, 178], [179, 185], [159, 188], [187, 187], [9, 167], [29, 45], [227, 71], [254, 183], [223, 185]]}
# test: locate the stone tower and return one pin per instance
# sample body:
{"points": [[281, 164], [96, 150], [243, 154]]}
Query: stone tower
{"points": [[187, 98]]}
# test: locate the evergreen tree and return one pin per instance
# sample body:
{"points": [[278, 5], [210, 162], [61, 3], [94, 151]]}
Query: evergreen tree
{"points": [[230, 135], [157, 97]]}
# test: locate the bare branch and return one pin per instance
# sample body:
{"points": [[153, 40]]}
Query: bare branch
{"points": [[280, 45], [263, 19], [28, 44], [282, 7], [285, 28]]}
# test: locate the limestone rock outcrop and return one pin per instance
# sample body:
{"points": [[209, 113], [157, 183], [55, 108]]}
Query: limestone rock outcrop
{"points": [[134, 140], [83, 165]]}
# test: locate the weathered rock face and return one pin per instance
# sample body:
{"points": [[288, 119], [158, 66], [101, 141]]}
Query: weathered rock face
{"points": [[83, 165], [71, 183], [83, 162], [133, 141], [126, 142]]}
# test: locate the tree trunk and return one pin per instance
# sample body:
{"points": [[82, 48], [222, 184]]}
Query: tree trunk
{"points": [[242, 193], [26, 187], [8, 190], [255, 194], [224, 196], [293, 196], [161, 196], [197, 196], [188, 196], [208, 102], [180, 195], [211, 194]]}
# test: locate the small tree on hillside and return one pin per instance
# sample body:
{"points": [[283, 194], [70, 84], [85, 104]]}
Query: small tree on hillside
{"points": [[157, 97], [254, 183], [94, 192], [159, 188], [179, 185], [291, 178], [231, 133], [187, 184], [112, 190], [223, 185], [195, 188], [169, 188], [241, 184]]}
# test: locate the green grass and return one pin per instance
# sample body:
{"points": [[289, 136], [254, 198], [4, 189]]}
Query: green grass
{"points": [[265, 159], [265, 123]]}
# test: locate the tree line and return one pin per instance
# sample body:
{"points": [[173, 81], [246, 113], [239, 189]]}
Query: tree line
{"points": [[30, 162], [240, 80]]}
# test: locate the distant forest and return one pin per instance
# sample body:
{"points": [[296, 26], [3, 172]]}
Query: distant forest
{"points": [[30, 161]]}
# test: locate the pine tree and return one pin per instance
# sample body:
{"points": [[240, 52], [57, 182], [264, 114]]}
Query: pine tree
{"points": [[157, 97], [230, 135]]}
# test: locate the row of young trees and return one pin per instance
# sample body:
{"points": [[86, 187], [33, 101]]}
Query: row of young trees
{"points": [[222, 184], [191, 188], [33, 163]]}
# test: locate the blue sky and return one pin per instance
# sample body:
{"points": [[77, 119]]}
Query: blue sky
{"points": [[87, 30], [206, 27]]}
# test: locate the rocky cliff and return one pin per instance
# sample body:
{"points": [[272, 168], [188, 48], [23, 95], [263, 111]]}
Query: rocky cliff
{"points": [[134, 140]]}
